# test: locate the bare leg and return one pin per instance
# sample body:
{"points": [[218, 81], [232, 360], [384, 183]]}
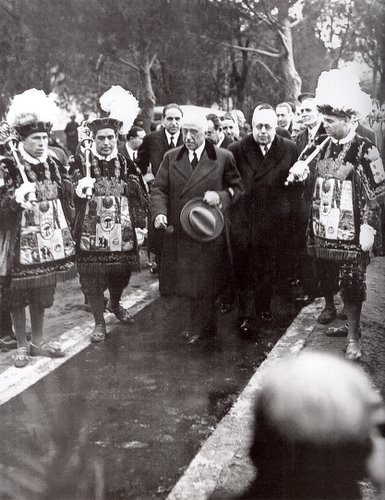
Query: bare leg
{"points": [[37, 321], [96, 302], [18, 320], [353, 312]]}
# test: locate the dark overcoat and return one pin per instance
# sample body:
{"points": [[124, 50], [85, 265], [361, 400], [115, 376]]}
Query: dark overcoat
{"points": [[152, 150], [265, 207], [191, 268], [302, 139]]}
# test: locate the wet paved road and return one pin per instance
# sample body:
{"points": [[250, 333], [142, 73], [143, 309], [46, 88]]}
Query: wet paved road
{"points": [[132, 412]]}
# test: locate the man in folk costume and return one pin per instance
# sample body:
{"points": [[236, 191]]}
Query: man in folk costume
{"points": [[347, 183], [35, 204], [109, 206]]}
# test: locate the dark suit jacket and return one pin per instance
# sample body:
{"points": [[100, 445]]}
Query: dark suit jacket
{"points": [[191, 268], [264, 209], [131, 167], [302, 138], [283, 132], [152, 150], [366, 132], [226, 142]]}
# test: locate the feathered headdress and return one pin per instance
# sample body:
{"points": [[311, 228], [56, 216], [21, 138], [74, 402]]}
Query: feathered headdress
{"points": [[122, 107], [338, 93], [32, 111]]}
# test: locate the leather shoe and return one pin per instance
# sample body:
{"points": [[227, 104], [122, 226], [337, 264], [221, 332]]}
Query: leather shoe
{"points": [[265, 316], [245, 329], [225, 308], [206, 333], [304, 300], [327, 315]]}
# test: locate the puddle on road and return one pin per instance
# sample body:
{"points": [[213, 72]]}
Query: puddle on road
{"points": [[137, 409]]}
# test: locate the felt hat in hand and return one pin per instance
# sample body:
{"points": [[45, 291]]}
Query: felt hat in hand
{"points": [[201, 221]]}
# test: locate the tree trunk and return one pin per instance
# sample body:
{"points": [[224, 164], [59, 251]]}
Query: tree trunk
{"points": [[148, 96], [292, 80]]}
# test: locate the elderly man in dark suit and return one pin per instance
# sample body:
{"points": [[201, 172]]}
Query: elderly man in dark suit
{"points": [[194, 267], [260, 220]]}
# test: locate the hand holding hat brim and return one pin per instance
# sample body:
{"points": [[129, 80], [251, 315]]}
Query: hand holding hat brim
{"points": [[200, 221]]}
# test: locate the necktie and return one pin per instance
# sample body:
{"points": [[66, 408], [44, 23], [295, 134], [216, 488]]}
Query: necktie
{"points": [[194, 161], [265, 150], [172, 144], [134, 156]]}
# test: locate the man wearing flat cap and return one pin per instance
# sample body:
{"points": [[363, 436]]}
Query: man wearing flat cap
{"points": [[194, 186]]}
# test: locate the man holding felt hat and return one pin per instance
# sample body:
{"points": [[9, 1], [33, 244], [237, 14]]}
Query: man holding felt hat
{"points": [[194, 186]]}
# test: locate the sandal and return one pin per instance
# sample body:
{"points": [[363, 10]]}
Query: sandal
{"points": [[341, 331], [21, 357], [353, 350], [48, 349], [7, 343], [121, 314], [98, 333]]}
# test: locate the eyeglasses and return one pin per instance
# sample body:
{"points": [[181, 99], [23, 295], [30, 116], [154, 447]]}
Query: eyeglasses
{"points": [[260, 126]]}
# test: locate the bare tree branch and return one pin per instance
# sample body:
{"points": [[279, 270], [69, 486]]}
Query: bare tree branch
{"points": [[153, 59], [129, 64], [14, 16]]}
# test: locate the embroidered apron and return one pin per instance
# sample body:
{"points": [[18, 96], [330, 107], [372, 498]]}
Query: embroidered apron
{"points": [[44, 235], [107, 225]]}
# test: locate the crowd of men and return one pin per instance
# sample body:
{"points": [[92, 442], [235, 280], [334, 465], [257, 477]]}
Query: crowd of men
{"points": [[234, 214]]}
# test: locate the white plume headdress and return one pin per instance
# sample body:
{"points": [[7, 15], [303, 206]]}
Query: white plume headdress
{"points": [[121, 105], [339, 90], [31, 107]]}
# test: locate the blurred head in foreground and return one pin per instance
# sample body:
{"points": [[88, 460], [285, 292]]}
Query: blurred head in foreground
{"points": [[318, 424]]}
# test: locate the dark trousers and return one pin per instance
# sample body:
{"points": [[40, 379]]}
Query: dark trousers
{"points": [[5, 323], [203, 314], [258, 271]]}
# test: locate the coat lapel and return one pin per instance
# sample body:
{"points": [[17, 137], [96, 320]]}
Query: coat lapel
{"points": [[261, 164], [201, 171], [162, 143]]}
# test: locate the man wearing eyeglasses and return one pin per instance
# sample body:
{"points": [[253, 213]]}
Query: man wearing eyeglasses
{"points": [[260, 220]]}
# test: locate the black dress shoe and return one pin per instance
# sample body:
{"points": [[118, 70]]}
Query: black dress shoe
{"points": [[264, 316], [210, 331], [245, 329], [304, 300], [225, 308], [328, 315]]}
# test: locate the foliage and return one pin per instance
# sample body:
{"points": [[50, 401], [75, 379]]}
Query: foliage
{"points": [[232, 52]]}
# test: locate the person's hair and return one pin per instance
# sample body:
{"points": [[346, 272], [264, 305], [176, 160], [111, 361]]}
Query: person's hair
{"points": [[286, 105], [312, 428], [263, 105], [170, 106], [227, 116], [133, 132], [215, 119], [196, 118]]}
